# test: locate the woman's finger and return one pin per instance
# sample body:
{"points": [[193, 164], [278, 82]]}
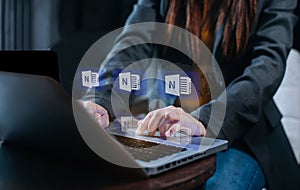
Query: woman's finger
{"points": [[143, 124], [97, 111], [156, 120]]}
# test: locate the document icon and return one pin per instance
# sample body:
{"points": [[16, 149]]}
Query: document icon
{"points": [[129, 82], [176, 85], [90, 79], [129, 124]]}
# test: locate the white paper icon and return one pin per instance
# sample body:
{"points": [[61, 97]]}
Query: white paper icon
{"points": [[129, 124], [90, 79], [185, 85], [129, 82], [135, 82], [176, 85]]}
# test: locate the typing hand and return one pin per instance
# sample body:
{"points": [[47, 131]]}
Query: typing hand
{"points": [[100, 113], [170, 120]]}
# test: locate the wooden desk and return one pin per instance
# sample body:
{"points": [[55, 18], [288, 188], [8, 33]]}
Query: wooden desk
{"points": [[186, 177], [20, 169]]}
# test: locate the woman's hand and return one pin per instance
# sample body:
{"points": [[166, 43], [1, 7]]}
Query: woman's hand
{"points": [[97, 111], [168, 121]]}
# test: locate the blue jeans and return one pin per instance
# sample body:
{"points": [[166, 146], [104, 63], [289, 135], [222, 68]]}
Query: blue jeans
{"points": [[236, 170]]}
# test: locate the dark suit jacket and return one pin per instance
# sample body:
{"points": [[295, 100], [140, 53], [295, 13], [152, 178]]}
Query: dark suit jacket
{"points": [[297, 29], [252, 120]]}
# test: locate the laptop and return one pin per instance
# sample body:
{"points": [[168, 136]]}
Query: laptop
{"points": [[36, 113], [156, 155]]}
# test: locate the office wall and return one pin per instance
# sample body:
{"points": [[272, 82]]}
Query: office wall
{"points": [[92, 15], [44, 24]]}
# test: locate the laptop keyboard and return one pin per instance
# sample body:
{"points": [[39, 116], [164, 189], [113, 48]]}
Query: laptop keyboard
{"points": [[147, 151]]}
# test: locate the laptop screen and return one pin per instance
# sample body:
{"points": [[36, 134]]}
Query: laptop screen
{"points": [[36, 62]]}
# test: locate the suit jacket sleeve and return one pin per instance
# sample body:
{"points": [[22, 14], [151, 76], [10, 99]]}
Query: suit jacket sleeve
{"points": [[250, 92]]}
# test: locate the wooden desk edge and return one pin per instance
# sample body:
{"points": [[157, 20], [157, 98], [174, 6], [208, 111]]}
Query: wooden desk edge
{"points": [[185, 177]]}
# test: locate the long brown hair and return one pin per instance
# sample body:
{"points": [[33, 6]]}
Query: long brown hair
{"points": [[203, 17]]}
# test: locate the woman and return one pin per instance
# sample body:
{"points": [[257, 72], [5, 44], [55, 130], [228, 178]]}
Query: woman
{"points": [[251, 40]]}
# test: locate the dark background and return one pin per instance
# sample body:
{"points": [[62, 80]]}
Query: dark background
{"points": [[80, 24], [36, 24], [68, 27]]}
